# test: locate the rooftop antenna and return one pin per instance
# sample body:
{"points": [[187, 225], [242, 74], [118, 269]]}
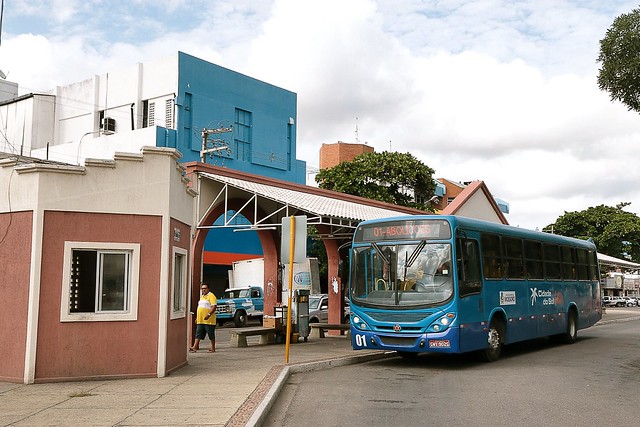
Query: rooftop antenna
{"points": [[357, 136]]}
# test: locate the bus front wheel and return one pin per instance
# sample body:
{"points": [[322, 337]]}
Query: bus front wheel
{"points": [[495, 339]]}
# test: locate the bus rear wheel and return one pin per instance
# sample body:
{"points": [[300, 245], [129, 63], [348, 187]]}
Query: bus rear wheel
{"points": [[571, 334], [495, 339]]}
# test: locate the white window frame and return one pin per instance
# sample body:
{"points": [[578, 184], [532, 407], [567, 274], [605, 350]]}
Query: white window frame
{"points": [[182, 311], [133, 282]]}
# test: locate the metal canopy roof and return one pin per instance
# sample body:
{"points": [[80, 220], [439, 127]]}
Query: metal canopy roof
{"points": [[610, 261], [275, 202]]}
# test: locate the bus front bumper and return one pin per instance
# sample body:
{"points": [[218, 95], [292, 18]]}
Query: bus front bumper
{"points": [[438, 342]]}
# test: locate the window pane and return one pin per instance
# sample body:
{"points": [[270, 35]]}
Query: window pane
{"points": [[178, 282], [113, 281], [583, 264], [533, 250], [512, 247], [533, 254], [100, 281], [582, 256], [468, 260], [514, 265], [552, 262], [491, 259], [593, 265], [568, 263], [82, 289]]}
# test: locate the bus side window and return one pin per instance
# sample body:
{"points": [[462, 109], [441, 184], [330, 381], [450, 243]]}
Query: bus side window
{"points": [[593, 266], [491, 256], [583, 264], [469, 271], [513, 254]]}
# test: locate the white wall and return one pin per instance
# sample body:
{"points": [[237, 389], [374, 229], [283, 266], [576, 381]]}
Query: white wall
{"points": [[97, 146], [117, 94], [8, 90], [33, 122], [26, 124], [479, 207]]}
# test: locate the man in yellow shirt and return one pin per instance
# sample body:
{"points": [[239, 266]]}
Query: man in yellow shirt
{"points": [[205, 319]]}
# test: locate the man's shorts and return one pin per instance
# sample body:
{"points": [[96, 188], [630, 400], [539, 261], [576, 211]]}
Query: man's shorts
{"points": [[203, 330]]}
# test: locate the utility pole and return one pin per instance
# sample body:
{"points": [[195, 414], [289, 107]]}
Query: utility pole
{"points": [[210, 146]]}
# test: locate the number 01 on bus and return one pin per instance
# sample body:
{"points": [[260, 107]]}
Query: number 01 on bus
{"points": [[451, 285]]}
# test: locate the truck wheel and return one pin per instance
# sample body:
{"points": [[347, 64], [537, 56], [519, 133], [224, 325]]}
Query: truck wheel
{"points": [[240, 318]]}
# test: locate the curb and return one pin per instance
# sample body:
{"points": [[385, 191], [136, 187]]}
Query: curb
{"points": [[257, 418], [622, 319]]}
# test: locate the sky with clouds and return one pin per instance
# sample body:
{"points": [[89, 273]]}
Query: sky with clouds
{"points": [[502, 91]]}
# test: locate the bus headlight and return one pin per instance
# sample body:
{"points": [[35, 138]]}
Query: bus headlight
{"points": [[442, 323], [359, 323]]}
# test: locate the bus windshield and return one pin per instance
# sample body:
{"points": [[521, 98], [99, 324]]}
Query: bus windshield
{"points": [[401, 275]]}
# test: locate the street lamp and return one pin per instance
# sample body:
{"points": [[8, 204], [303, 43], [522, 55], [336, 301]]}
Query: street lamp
{"points": [[80, 143]]}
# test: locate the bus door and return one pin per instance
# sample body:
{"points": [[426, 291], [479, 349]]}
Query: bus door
{"points": [[470, 299]]}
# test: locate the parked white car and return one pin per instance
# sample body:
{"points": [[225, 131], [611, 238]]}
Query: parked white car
{"points": [[319, 309], [632, 302], [614, 301]]}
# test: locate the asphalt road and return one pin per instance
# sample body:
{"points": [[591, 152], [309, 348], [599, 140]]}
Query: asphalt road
{"points": [[536, 383]]}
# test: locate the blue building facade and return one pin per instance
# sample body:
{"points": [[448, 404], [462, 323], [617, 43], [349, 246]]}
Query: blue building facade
{"points": [[261, 117], [262, 140]]}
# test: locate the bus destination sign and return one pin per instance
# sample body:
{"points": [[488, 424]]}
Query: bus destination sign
{"points": [[404, 230]]}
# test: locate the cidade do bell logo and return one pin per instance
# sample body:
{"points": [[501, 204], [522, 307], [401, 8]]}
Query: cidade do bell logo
{"points": [[545, 295]]}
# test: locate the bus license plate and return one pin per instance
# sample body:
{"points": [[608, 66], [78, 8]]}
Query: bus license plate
{"points": [[439, 344]]}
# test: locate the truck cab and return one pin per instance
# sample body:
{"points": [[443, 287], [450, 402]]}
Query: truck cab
{"points": [[240, 304]]}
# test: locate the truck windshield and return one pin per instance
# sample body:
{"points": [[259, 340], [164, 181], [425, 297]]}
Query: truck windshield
{"points": [[237, 293], [407, 275]]}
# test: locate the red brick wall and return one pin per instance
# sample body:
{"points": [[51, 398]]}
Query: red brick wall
{"points": [[333, 154], [451, 191]]}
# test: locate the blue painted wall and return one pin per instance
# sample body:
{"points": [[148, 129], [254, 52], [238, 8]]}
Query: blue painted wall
{"points": [[226, 240], [263, 116], [263, 141]]}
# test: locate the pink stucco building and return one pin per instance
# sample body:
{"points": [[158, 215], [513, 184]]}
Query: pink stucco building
{"points": [[94, 277]]}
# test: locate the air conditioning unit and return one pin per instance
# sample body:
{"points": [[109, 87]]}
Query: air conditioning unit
{"points": [[108, 126]]}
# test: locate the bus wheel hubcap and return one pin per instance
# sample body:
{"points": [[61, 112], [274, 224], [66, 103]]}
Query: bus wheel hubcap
{"points": [[494, 339]]}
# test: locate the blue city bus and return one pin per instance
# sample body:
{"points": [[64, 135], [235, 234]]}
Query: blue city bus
{"points": [[448, 284]]}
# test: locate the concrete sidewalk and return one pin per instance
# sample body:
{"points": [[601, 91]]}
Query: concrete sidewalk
{"points": [[233, 386], [221, 388]]}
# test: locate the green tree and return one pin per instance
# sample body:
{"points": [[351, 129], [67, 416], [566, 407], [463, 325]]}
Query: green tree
{"points": [[620, 59], [390, 177], [615, 232]]}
